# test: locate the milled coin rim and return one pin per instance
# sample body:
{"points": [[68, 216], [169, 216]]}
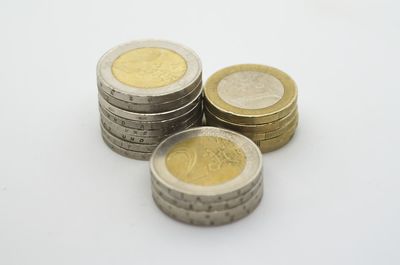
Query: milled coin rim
{"points": [[250, 172], [114, 87], [209, 218], [155, 116], [270, 113]]}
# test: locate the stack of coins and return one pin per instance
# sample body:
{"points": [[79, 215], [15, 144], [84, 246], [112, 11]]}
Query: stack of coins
{"points": [[148, 90], [258, 101], [207, 176]]}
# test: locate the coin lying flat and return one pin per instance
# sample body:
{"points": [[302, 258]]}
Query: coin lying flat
{"points": [[147, 90], [206, 167], [250, 94], [151, 108], [155, 116], [148, 71], [256, 100], [209, 218]]}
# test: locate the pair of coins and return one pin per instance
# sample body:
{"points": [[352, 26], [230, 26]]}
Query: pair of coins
{"points": [[148, 90], [258, 101], [207, 176]]}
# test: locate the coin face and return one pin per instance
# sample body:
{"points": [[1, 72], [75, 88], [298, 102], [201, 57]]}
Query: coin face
{"points": [[250, 94], [148, 72], [149, 67], [205, 160], [250, 89]]}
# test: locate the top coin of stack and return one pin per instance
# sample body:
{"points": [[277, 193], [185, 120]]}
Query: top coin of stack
{"points": [[256, 100], [207, 176], [147, 91]]}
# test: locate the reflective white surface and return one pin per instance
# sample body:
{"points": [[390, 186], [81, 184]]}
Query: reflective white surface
{"points": [[331, 196]]}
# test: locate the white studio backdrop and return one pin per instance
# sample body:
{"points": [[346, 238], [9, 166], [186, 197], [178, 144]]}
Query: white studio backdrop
{"points": [[331, 195]]}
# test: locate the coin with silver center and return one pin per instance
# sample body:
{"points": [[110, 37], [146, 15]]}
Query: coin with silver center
{"points": [[250, 94]]}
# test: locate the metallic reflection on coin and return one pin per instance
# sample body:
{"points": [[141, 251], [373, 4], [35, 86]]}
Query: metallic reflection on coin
{"points": [[206, 169], [148, 90], [256, 100]]}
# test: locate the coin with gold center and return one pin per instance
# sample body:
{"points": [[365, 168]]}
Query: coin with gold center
{"points": [[207, 176], [205, 160], [148, 72], [149, 67]]}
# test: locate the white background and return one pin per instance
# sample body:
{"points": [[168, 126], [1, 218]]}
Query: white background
{"points": [[332, 196]]}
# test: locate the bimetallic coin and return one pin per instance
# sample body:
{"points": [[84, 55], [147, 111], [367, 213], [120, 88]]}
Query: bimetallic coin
{"points": [[125, 152], [130, 134], [272, 144], [156, 116], [151, 125], [138, 147], [151, 108], [249, 128], [149, 71], [250, 94], [209, 218], [206, 164], [206, 206]]}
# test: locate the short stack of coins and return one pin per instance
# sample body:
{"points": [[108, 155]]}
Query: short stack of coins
{"points": [[148, 90], [258, 101], [207, 176]]}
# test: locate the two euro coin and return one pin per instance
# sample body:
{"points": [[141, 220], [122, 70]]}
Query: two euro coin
{"points": [[258, 101], [207, 176], [148, 90]]}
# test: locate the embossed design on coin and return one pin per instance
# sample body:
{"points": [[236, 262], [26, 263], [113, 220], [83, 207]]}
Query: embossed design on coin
{"points": [[149, 67], [250, 89], [205, 160]]}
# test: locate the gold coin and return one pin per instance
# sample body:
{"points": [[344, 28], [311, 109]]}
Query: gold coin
{"points": [[214, 120], [272, 144], [250, 94], [205, 160], [149, 67], [272, 134]]}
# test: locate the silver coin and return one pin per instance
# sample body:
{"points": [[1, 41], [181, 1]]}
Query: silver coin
{"points": [[206, 164], [151, 125], [209, 218], [151, 108], [128, 145], [128, 133], [108, 83], [127, 124], [134, 154], [125, 152], [157, 116], [206, 206]]}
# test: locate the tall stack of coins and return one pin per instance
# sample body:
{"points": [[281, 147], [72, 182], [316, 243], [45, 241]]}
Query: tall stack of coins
{"points": [[207, 176], [258, 101], [147, 91]]}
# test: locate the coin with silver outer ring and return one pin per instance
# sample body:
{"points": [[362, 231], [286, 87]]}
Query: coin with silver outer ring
{"points": [[233, 163], [147, 64], [156, 116], [212, 218], [206, 206], [151, 108]]}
